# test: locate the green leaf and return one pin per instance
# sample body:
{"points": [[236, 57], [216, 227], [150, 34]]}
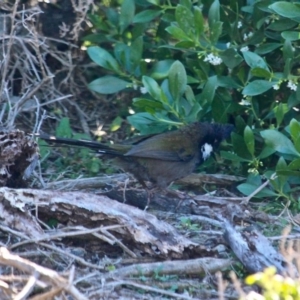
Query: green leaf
{"points": [[291, 35], [116, 123], [281, 164], [266, 152], [136, 52], [155, 2], [279, 111], [215, 32], [161, 69], [64, 129], [122, 53], [287, 51], [239, 146], [259, 72], [279, 142], [295, 133], [253, 60], [146, 104], [126, 14], [147, 124], [248, 188], [228, 82], [103, 58], [184, 45], [146, 16], [288, 172], [214, 13], [215, 26], [287, 67], [231, 58], [177, 33], [199, 21], [295, 129], [185, 20], [257, 87], [189, 95], [286, 9], [209, 90], [281, 180], [295, 164], [220, 110], [95, 165], [249, 139], [267, 48], [152, 87], [193, 113], [177, 80], [233, 157], [282, 24], [297, 144], [108, 85]]}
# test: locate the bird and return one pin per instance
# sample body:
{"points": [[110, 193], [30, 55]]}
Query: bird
{"points": [[159, 158]]}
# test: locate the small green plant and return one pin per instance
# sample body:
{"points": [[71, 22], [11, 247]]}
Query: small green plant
{"points": [[186, 223], [82, 161], [163, 278]]}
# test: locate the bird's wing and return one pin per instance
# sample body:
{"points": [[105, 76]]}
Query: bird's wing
{"points": [[171, 146]]}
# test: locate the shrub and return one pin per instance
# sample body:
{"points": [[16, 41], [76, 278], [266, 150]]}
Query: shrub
{"points": [[234, 61]]}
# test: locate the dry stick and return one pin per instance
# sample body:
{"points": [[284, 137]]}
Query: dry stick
{"points": [[81, 8], [188, 267], [27, 289], [21, 278], [63, 234], [82, 117], [244, 200], [84, 183], [150, 289], [38, 120], [15, 109], [38, 52], [35, 43], [48, 295], [128, 251], [247, 199], [14, 232], [24, 265], [10, 43], [76, 258], [200, 219], [50, 102], [221, 286], [85, 278], [48, 237], [280, 237], [237, 285]]}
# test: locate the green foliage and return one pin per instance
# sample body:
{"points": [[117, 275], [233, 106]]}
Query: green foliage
{"points": [[234, 61]]}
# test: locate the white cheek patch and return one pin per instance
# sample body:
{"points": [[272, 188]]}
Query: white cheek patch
{"points": [[206, 150]]}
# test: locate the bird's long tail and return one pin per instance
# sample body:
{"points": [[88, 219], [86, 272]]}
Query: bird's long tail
{"points": [[95, 146]]}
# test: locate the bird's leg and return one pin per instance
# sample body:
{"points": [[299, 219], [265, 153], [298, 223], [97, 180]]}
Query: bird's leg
{"points": [[149, 195], [179, 204], [148, 191], [176, 194]]}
